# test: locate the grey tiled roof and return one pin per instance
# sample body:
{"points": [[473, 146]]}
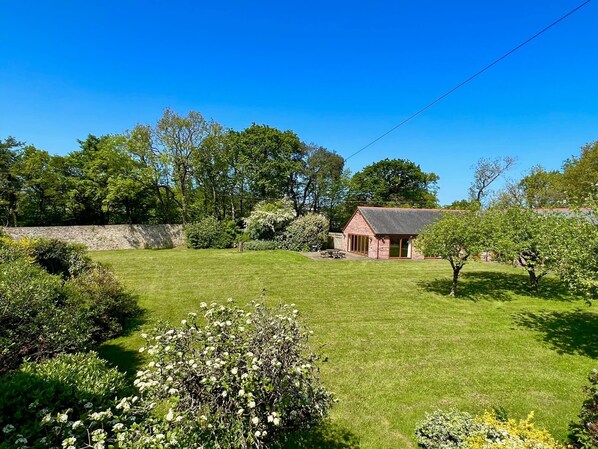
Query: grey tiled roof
{"points": [[387, 221]]}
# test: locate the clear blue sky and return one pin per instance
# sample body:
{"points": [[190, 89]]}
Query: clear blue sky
{"points": [[337, 73]]}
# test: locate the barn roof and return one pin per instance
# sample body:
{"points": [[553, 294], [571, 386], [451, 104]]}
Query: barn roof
{"points": [[390, 220]]}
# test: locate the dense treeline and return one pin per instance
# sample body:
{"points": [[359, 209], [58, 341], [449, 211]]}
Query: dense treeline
{"points": [[186, 167]]}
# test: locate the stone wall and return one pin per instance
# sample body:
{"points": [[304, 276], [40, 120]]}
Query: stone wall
{"points": [[108, 237]]}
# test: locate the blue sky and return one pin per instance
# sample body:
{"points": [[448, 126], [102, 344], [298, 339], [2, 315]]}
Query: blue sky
{"points": [[339, 74]]}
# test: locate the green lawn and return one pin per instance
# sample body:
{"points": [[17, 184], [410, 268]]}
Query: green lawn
{"points": [[397, 346]]}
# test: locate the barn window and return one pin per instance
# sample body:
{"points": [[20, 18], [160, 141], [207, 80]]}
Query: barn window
{"points": [[359, 244], [399, 247]]}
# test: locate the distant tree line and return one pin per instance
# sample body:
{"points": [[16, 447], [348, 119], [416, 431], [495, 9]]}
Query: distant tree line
{"points": [[185, 168]]}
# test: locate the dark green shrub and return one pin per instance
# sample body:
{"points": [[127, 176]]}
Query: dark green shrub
{"points": [[261, 245], [37, 319], [209, 233], [446, 429], [584, 434], [103, 300], [77, 382], [58, 257], [305, 232]]}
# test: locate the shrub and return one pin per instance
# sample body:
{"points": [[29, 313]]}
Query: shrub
{"points": [[11, 251], [105, 302], [269, 219], [511, 434], [261, 245], [305, 232], [209, 233], [249, 375], [58, 257], [446, 429], [69, 382], [584, 434], [37, 320]]}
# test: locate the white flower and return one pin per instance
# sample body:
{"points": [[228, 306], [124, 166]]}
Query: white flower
{"points": [[255, 420], [264, 433], [183, 322], [234, 371], [251, 404], [241, 392], [224, 394], [170, 415], [118, 426], [240, 411], [63, 417], [77, 424], [8, 428], [143, 335], [203, 305], [276, 421], [257, 433]]}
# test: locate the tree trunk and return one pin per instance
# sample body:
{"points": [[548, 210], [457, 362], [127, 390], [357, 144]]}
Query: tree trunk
{"points": [[456, 271]]}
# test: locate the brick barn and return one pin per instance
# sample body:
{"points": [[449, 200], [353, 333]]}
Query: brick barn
{"points": [[386, 232]]}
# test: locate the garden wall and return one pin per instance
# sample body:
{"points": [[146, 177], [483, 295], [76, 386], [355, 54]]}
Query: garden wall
{"points": [[108, 237]]}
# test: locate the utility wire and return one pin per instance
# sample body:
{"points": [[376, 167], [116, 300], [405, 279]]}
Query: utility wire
{"points": [[475, 75]]}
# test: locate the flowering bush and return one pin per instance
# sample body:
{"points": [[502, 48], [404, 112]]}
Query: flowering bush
{"points": [[76, 383], [268, 219], [249, 376], [584, 434], [305, 232]]}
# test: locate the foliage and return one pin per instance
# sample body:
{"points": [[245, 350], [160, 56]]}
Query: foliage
{"points": [[269, 219], [446, 429], [396, 182], [208, 233], [103, 300], [305, 232], [261, 245], [580, 175], [578, 265], [74, 382], [37, 320], [59, 257], [536, 241], [511, 434], [455, 237], [249, 375], [584, 433]]}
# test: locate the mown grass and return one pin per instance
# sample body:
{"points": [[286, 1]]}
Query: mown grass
{"points": [[396, 345]]}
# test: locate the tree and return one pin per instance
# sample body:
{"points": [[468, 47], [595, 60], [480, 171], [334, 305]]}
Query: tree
{"points": [[455, 237], [486, 171], [543, 189], [10, 150], [580, 175], [535, 241], [179, 138], [42, 199], [396, 182]]}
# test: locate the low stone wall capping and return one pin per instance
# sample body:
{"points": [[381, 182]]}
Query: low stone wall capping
{"points": [[107, 237]]}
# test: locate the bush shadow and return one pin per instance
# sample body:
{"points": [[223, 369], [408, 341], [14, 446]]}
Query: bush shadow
{"points": [[574, 333], [126, 360], [497, 286], [325, 436]]}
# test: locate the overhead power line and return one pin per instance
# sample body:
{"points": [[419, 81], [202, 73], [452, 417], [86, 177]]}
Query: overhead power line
{"points": [[475, 75]]}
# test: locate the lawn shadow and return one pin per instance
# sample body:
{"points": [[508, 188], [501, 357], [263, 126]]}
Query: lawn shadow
{"points": [[126, 360], [324, 436], [497, 286], [574, 333]]}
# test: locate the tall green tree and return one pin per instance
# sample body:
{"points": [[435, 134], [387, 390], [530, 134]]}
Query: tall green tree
{"points": [[44, 188], [10, 150], [456, 237], [397, 182], [580, 175], [179, 138]]}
